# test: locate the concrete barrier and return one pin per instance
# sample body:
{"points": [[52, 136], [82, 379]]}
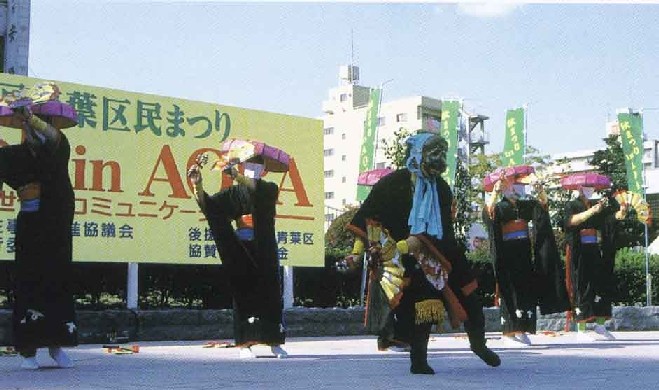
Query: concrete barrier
{"points": [[188, 324]]}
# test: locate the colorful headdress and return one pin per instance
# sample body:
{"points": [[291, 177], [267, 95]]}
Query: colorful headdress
{"points": [[520, 174], [238, 151], [42, 98]]}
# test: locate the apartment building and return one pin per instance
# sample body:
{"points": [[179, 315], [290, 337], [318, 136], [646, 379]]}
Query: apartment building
{"points": [[14, 36], [344, 117]]}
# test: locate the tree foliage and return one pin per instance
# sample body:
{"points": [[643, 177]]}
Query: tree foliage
{"points": [[338, 239], [464, 210], [396, 149], [611, 162]]}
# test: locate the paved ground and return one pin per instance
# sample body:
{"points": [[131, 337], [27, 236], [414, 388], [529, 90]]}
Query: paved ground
{"points": [[554, 362]]}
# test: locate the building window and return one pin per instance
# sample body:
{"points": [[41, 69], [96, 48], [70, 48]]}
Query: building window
{"points": [[343, 202], [343, 97], [329, 195], [401, 117], [329, 217], [381, 121], [343, 136], [380, 165], [329, 131], [329, 173], [343, 179], [343, 157], [328, 152]]}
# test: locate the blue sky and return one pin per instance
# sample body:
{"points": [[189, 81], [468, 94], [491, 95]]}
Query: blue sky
{"points": [[573, 64]]}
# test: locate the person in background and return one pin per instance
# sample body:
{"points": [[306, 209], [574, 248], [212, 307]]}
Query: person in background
{"points": [[37, 169], [590, 229], [248, 252], [527, 264]]}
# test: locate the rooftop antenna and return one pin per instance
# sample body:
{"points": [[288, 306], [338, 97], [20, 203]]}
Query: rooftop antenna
{"points": [[352, 55], [349, 74]]}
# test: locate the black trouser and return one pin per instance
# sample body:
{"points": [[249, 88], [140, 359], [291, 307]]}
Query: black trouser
{"points": [[475, 323], [419, 345]]}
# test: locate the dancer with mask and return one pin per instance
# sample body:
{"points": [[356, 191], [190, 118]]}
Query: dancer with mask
{"points": [[417, 201], [248, 252], [527, 265], [590, 229]]}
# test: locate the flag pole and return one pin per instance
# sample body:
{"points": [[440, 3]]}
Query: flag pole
{"points": [[648, 276], [526, 122], [377, 126]]}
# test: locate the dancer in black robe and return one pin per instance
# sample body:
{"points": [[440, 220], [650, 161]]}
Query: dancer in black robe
{"points": [[248, 253], [37, 169], [390, 203], [526, 260], [590, 229]]}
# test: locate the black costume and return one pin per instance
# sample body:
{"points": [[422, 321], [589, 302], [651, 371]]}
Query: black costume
{"points": [[526, 262], [43, 314], [253, 264], [590, 256], [389, 203]]}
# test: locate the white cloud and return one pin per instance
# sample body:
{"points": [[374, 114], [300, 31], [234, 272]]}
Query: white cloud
{"points": [[490, 9]]}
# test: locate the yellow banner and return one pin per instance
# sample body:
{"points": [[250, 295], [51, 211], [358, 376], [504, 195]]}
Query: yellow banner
{"points": [[129, 158]]}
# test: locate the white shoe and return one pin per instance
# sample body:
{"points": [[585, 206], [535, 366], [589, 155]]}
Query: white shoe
{"points": [[246, 353], [279, 352], [60, 357], [29, 363], [523, 338], [586, 336], [512, 341], [601, 330]]}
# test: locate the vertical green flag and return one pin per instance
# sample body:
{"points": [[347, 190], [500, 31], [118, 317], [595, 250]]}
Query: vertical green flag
{"points": [[449, 131], [368, 142], [514, 144], [631, 134]]}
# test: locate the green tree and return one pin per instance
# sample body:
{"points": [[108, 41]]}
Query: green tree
{"points": [[462, 192], [481, 165], [611, 162], [338, 239], [396, 149]]}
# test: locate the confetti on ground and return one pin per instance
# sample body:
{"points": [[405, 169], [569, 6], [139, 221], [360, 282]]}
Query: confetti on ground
{"points": [[219, 344], [122, 349]]}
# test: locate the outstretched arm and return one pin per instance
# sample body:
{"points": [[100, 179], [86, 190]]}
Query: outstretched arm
{"points": [[194, 173]]}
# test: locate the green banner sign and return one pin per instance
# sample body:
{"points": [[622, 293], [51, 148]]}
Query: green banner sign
{"points": [[514, 144], [367, 153], [449, 130], [631, 134]]}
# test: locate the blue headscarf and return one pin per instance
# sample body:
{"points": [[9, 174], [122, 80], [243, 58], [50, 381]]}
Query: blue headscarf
{"points": [[425, 216]]}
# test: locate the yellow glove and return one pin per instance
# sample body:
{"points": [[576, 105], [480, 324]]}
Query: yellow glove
{"points": [[403, 247], [358, 247]]}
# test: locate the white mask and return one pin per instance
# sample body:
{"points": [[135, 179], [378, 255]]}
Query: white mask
{"points": [[587, 192], [253, 170], [520, 190]]}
